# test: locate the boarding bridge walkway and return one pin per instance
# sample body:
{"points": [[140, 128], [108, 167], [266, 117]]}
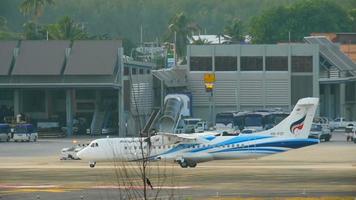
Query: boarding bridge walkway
{"points": [[333, 54], [100, 118], [151, 121], [171, 115]]}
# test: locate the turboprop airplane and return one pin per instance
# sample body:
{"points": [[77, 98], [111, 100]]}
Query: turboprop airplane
{"points": [[189, 149]]}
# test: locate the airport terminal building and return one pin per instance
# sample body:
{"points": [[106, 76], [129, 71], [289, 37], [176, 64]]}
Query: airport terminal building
{"points": [[76, 85], [252, 77], [89, 85]]}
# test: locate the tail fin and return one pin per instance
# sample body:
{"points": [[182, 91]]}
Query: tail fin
{"points": [[298, 123]]}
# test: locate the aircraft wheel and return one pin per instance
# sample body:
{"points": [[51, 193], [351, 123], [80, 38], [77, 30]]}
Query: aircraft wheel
{"points": [[92, 165], [183, 164], [192, 164]]}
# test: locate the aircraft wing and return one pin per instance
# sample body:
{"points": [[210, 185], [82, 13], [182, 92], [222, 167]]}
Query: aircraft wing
{"points": [[179, 137], [188, 138]]}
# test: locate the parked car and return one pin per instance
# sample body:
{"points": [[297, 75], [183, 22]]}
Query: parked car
{"points": [[317, 131], [189, 125], [25, 132], [5, 132], [201, 127], [340, 122]]}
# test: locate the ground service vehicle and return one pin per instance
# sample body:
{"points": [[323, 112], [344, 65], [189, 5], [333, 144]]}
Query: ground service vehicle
{"points": [[25, 132], [5, 132], [350, 131]]}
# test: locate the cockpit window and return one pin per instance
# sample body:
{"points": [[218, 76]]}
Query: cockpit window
{"points": [[94, 144]]}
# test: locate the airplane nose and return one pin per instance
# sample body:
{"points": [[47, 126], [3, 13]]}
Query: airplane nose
{"points": [[81, 154]]}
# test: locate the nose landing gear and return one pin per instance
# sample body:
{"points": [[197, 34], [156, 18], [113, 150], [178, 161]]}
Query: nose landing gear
{"points": [[92, 164]]}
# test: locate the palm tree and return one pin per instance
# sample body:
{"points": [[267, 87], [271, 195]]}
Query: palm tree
{"points": [[67, 29], [235, 30], [33, 31], [181, 29], [34, 8]]}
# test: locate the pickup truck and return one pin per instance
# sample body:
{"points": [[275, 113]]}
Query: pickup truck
{"points": [[339, 122]]}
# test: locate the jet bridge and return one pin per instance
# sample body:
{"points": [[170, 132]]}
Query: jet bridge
{"points": [[333, 54], [175, 107]]}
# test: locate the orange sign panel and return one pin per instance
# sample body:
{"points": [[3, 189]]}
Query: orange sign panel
{"points": [[209, 78]]}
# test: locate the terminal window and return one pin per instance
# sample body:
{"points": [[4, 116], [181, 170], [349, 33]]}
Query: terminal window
{"points": [[126, 71], [302, 63], [277, 63], [141, 71], [201, 64], [251, 63], [225, 63]]}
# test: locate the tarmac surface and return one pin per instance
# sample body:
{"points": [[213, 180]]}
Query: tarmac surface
{"points": [[34, 171]]}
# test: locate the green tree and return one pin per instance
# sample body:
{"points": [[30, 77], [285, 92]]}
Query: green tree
{"points": [[235, 30], [180, 29], [352, 14], [300, 19], [34, 8], [5, 33], [67, 29], [3, 23], [33, 31]]}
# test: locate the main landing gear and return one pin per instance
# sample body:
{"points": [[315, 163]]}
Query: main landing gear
{"points": [[92, 164], [185, 164]]}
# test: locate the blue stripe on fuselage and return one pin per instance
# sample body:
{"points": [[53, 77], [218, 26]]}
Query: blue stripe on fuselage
{"points": [[289, 143], [234, 140], [271, 150], [286, 143]]}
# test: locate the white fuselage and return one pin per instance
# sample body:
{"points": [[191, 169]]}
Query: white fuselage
{"points": [[208, 148]]}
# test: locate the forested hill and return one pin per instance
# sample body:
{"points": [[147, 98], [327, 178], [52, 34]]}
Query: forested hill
{"points": [[122, 18]]}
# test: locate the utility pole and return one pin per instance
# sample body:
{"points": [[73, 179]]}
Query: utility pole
{"points": [[175, 48], [141, 35]]}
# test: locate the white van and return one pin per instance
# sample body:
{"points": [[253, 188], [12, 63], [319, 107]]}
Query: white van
{"points": [[25, 132]]}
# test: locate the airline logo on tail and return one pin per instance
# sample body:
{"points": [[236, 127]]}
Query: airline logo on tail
{"points": [[297, 125]]}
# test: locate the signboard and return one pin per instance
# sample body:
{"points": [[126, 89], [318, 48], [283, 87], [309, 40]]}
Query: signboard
{"points": [[171, 61], [209, 77], [209, 80]]}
